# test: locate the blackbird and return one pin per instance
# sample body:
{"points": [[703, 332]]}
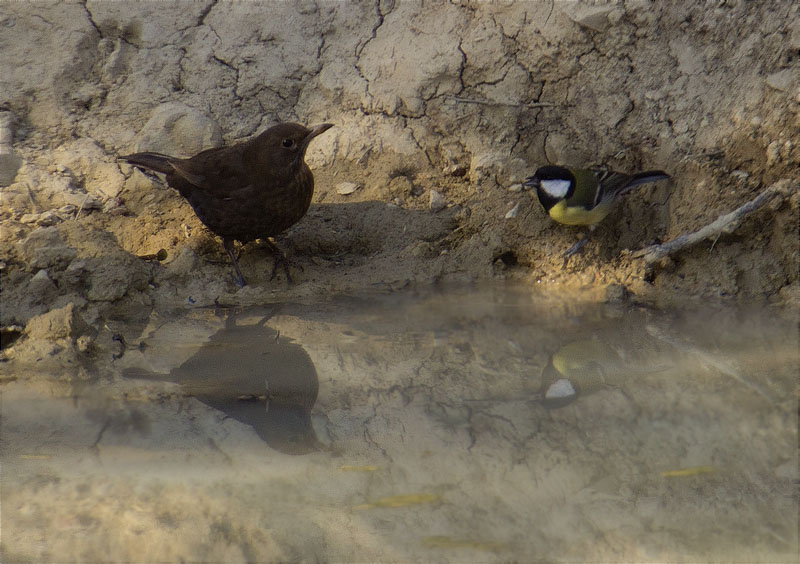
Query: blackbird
{"points": [[250, 190]]}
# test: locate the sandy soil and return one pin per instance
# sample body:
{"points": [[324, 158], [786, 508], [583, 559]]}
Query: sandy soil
{"points": [[708, 93]]}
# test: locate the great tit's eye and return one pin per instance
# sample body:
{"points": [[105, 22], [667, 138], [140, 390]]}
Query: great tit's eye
{"points": [[288, 143]]}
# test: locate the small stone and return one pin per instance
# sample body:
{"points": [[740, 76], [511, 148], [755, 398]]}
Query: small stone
{"points": [[29, 218], [346, 188], [517, 187], [512, 213], [115, 206], [781, 80], [84, 202], [48, 218], [595, 18], [41, 286], [561, 388], [436, 201], [455, 170], [76, 272]]}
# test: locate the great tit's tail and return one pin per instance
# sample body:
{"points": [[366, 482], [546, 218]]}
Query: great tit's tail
{"points": [[151, 161], [644, 178]]}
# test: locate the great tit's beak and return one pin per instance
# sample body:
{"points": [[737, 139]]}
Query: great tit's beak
{"points": [[530, 182]]}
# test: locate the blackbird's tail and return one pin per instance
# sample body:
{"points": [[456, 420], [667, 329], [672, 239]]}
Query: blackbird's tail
{"points": [[151, 161]]}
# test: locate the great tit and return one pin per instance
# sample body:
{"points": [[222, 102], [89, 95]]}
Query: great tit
{"points": [[578, 196]]}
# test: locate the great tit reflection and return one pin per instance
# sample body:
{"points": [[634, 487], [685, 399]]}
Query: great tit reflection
{"points": [[586, 366]]}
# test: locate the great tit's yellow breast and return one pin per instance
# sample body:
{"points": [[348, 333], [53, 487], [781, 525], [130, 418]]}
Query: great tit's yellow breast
{"points": [[578, 215]]}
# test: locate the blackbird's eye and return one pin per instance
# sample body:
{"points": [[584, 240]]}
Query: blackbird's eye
{"points": [[288, 143]]}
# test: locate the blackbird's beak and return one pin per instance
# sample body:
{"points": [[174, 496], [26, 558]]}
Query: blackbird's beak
{"points": [[314, 131], [317, 129]]}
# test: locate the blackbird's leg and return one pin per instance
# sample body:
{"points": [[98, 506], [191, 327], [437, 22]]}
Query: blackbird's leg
{"points": [[228, 244], [279, 258]]}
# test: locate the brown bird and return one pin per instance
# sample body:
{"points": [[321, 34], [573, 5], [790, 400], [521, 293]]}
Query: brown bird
{"points": [[251, 190]]}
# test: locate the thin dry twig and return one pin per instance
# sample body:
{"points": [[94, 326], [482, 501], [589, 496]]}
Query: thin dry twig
{"points": [[80, 209], [723, 225], [510, 104]]}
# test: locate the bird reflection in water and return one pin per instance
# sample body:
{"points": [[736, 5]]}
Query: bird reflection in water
{"points": [[255, 376]]}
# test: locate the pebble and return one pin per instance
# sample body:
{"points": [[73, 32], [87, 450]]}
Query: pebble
{"points": [[455, 170], [781, 80], [41, 286], [512, 213], [561, 388], [48, 218], [436, 201], [345, 188], [81, 201], [596, 18]]}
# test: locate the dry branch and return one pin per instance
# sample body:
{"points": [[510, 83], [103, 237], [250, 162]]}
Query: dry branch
{"points": [[723, 225]]}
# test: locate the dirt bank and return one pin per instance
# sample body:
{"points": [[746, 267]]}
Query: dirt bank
{"points": [[440, 111]]}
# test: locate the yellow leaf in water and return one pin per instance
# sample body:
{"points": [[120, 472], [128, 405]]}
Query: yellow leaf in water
{"points": [[449, 542], [403, 500], [347, 468], [693, 471]]}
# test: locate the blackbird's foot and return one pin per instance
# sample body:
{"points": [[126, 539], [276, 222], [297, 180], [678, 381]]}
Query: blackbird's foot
{"points": [[280, 258]]}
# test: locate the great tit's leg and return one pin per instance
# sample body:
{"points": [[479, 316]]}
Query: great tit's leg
{"points": [[578, 246]]}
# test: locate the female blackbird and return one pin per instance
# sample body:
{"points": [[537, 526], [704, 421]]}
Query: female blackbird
{"points": [[251, 190]]}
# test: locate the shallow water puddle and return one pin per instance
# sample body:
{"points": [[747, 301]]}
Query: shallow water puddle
{"points": [[460, 424]]}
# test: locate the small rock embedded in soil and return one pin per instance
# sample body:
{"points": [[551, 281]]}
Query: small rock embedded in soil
{"points": [[346, 188], [512, 213], [782, 80], [437, 202]]}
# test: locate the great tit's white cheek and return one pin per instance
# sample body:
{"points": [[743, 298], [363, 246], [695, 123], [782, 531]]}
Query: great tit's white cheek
{"points": [[556, 188], [561, 388]]}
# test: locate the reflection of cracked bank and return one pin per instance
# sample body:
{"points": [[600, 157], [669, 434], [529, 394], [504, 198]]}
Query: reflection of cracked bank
{"points": [[254, 376]]}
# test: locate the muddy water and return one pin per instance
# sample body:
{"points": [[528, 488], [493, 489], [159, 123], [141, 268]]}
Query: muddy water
{"points": [[460, 424]]}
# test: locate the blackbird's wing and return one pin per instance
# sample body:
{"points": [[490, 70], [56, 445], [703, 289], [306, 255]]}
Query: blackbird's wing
{"points": [[219, 172]]}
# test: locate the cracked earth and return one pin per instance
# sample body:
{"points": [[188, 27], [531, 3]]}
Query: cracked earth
{"points": [[440, 111]]}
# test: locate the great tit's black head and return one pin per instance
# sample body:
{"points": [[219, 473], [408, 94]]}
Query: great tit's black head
{"points": [[553, 184]]}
